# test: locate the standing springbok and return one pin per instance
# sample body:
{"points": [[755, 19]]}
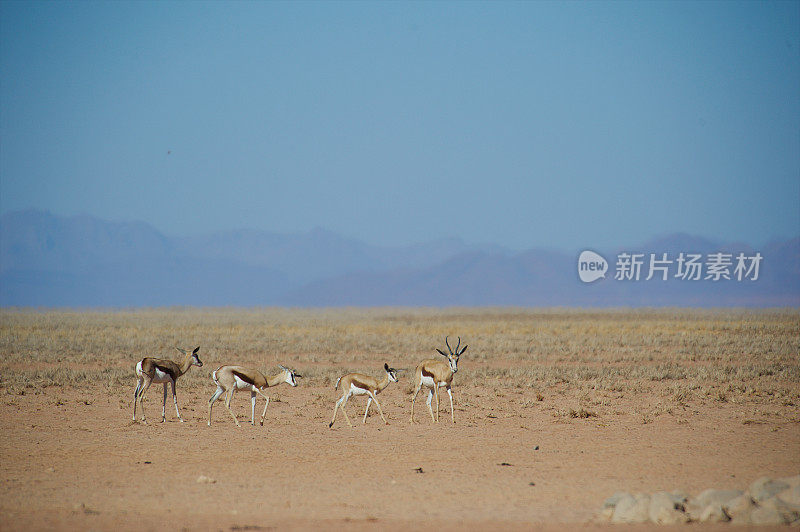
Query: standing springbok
{"points": [[358, 384], [433, 373], [150, 370], [231, 378]]}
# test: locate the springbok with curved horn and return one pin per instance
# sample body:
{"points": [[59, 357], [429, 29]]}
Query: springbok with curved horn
{"points": [[359, 384], [231, 378], [433, 373], [150, 370]]}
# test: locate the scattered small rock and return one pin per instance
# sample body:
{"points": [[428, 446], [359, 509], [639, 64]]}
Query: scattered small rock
{"points": [[791, 496], [765, 502], [765, 488], [766, 516], [85, 509], [788, 512], [419, 470], [666, 510], [696, 507], [504, 464], [612, 501], [202, 479], [714, 513], [740, 507], [632, 509], [712, 496]]}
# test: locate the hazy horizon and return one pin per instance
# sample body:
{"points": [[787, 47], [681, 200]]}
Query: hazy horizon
{"points": [[312, 230], [47, 260]]}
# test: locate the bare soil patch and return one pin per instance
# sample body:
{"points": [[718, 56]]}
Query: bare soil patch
{"points": [[71, 465]]}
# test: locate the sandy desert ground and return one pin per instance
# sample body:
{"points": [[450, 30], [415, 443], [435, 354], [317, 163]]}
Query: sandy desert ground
{"points": [[555, 411]]}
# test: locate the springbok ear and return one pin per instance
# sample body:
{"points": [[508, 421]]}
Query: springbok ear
{"points": [[441, 352], [386, 366], [462, 351], [284, 368], [196, 349], [181, 350]]}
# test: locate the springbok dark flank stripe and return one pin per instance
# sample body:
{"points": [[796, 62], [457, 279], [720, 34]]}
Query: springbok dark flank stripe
{"points": [[361, 384], [167, 370], [244, 377]]}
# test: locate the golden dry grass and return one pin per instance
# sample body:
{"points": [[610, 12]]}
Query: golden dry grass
{"points": [[682, 354]]}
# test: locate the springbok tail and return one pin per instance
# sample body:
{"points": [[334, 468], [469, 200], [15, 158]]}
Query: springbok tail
{"points": [[336, 386], [214, 376]]}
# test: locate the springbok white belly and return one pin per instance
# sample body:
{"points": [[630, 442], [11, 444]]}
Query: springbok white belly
{"points": [[241, 385], [355, 390], [158, 377], [428, 382], [161, 376]]}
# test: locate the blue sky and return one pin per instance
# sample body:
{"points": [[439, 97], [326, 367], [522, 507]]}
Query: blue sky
{"points": [[524, 124]]}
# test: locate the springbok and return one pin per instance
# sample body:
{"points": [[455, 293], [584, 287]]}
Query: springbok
{"points": [[433, 373], [359, 384], [150, 370], [231, 378]]}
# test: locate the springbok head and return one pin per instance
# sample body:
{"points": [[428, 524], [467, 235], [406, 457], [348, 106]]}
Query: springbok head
{"points": [[195, 359], [391, 372], [289, 375], [452, 358]]}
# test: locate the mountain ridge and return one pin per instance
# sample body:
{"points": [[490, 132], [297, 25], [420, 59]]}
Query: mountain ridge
{"points": [[49, 260]]}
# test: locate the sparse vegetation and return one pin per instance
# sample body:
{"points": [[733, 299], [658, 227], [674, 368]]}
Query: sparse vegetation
{"points": [[612, 389], [723, 356]]}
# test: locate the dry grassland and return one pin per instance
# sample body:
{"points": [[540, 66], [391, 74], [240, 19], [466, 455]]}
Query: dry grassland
{"points": [[607, 374], [719, 355]]}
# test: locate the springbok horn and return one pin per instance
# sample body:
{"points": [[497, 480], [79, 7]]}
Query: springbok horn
{"points": [[459, 344], [448, 345]]}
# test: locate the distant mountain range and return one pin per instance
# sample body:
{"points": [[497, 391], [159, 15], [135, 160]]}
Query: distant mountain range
{"points": [[81, 261]]}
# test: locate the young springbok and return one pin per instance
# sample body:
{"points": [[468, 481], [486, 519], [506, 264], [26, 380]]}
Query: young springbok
{"points": [[358, 384], [150, 370], [231, 378], [433, 373]]}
